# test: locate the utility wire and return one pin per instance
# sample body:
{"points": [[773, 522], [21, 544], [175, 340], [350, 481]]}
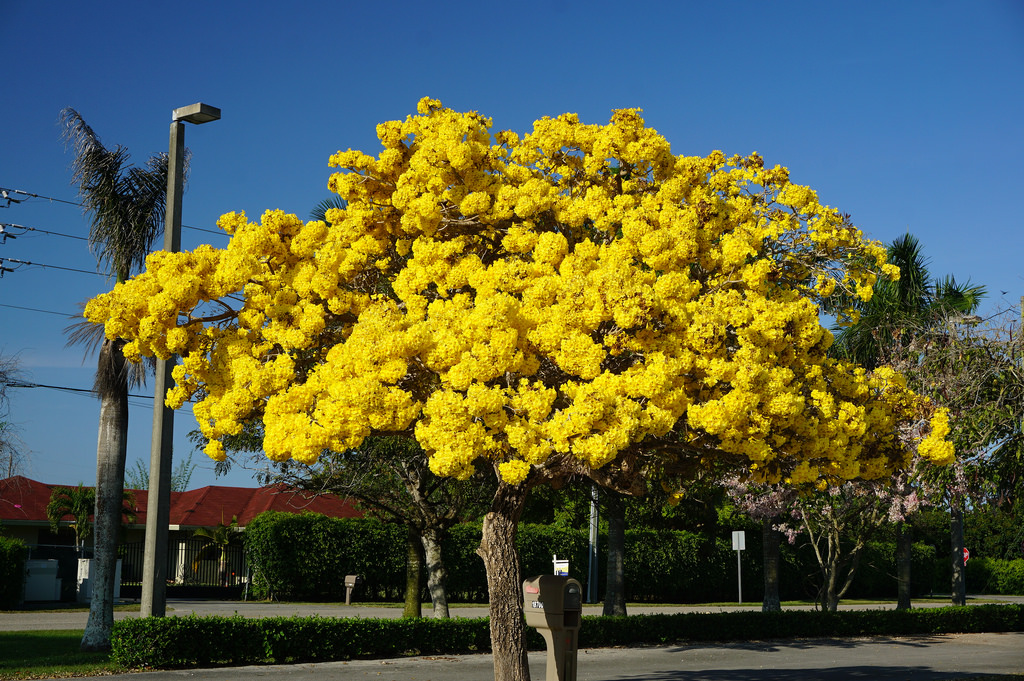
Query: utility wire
{"points": [[7, 235], [39, 264], [6, 192], [26, 384], [78, 391], [35, 309]]}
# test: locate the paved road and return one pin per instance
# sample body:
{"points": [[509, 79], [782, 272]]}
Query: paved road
{"points": [[928, 658], [931, 658], [29, 620]]}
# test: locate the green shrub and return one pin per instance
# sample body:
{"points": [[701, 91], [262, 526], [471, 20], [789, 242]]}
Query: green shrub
{"points": [[13, 553], [206, 641], [305, 556], [996, 576]]}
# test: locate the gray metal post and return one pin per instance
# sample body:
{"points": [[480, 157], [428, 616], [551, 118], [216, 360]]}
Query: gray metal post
{"points": [[592, 567], [739, 577], [158, 509]]}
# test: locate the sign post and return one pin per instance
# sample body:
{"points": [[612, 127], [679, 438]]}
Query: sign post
{"points": [[739, 543]]}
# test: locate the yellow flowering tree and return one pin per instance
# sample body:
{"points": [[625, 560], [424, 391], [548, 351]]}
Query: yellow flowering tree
{"points": [[578, 300]]}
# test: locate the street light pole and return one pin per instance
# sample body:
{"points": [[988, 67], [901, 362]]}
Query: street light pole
{"points": [[158, 509]]}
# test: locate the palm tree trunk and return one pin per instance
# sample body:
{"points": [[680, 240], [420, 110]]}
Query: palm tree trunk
{"points": [[615, 594], [111, 450], [956, 545], [904, 549], [413, 574], [436, 573], [505, 582], [770, 555]]}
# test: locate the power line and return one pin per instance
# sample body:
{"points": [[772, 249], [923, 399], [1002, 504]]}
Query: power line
{"points": [[79, 391], [35, 309], [39, 264], [7, 235], [26, 384], [218, 232], [6, 193]]}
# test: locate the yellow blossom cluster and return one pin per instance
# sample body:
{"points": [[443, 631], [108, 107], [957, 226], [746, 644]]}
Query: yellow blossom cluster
{"points": [[573, 294]]}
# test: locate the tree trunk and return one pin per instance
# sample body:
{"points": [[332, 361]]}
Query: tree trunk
{"points": [[413, 575], [504, 583], [111, 450], [770, 555], [956, 545], [615, 594], [904, 541], [436, 573]]}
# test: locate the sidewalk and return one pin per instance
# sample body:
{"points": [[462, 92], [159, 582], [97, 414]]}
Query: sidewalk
{"points": [[34, 620], [919, 658]]}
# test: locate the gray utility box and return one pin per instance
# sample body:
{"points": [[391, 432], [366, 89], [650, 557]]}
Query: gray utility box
{"points": [[553, 604], [41, 581]]}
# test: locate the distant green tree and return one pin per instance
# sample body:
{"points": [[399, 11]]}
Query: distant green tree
{"points": [[899, 313], [138, 476], [217, 541], [77, 502], [12, 453]]}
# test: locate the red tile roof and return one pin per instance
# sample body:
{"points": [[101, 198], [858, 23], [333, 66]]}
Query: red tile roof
{"points": [[23, 500]]}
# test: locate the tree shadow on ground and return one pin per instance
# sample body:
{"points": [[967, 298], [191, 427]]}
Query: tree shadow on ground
{"points": [[807, 643], [866, 673]]}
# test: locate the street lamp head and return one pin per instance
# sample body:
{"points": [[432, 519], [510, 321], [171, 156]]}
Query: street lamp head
{"points": [[196, 113]]}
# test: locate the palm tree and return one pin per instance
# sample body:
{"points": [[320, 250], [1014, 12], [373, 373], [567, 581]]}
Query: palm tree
{"points": [[901, 308], [217, 539], [126, 209], [77, 502], [897, 312]]}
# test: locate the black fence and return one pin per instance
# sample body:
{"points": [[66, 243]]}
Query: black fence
{"points": [[191, 563]]}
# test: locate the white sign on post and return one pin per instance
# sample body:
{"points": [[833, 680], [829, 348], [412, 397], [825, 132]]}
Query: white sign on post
{"points": [[739, 543]]}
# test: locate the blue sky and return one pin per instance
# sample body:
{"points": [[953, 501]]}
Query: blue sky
{"points": [[908, 116]]}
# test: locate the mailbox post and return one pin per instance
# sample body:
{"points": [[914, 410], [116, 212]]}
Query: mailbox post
{"points": [[553, 604], [351, 582]]}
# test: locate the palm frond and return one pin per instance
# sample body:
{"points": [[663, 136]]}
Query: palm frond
{"points": [[91, 336], [126, 204], [319, 213]]}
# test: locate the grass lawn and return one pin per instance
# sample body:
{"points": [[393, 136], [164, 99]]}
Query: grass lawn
{"points": [[45, 654]]}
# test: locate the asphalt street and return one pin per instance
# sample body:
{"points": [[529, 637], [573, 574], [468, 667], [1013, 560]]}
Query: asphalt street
{"points": [[931, 658], [925, 658]]}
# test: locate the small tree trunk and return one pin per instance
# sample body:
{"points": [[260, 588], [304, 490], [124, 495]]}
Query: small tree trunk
{"points": [[615, 594], [111, 452], [904, 541], [956, 545], [770, 555], [436, 573], [504, 583], [413, 575]]}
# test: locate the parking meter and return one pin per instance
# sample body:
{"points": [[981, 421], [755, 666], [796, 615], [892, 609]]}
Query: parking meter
{"points": [[553, 604], [351, 582]]}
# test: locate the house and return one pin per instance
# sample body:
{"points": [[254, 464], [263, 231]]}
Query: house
{"points": [[23, 515]]}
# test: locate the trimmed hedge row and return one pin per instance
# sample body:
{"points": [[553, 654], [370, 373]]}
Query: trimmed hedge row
{"points": [[300, 557], [13, 553], [996, 576], [165, 642]]}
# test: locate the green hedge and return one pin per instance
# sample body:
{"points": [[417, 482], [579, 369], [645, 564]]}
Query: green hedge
{"points": [[301, 557], [12, 571], [995, 576], [201, 642], [305, 556]]}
